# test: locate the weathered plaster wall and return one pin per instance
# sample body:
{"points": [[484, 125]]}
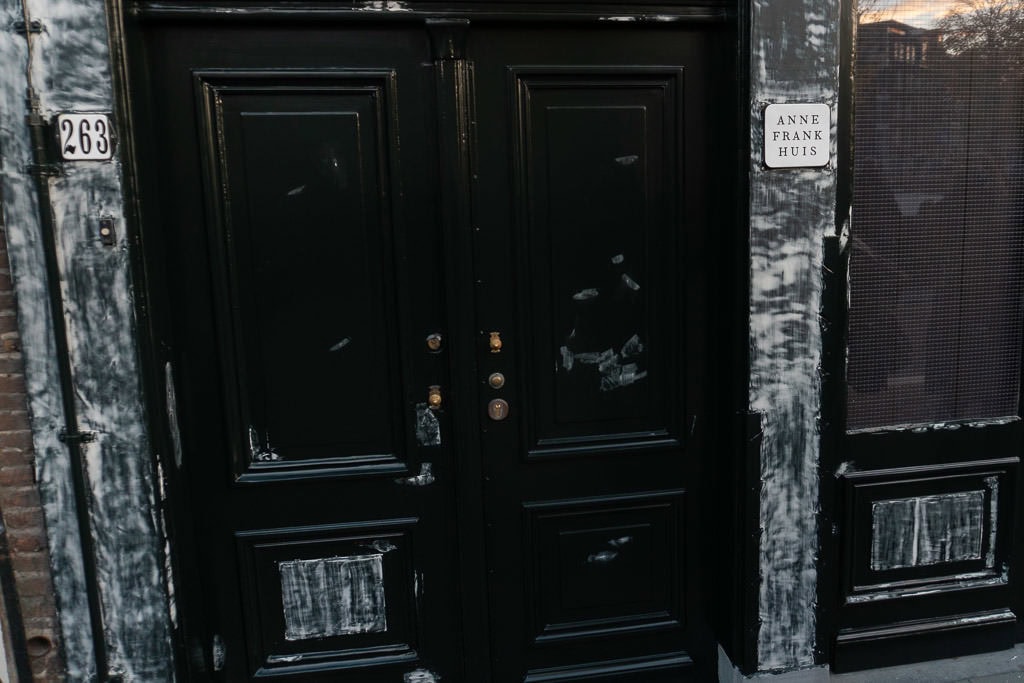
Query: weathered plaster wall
{"points": [[70, 71], [794, 58]]}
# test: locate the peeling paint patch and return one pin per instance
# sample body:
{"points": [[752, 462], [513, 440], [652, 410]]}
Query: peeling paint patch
{"points": [[284, 659], [428, 428], [334, 596], [381, 546], [424, 478], [627, 160], [218, 654], [421, 676], [257, 450], [621, 541], [342, 344], [613, 373], [618, 258], [295, 191], [385, 6], [927, 530], [993, 491]]}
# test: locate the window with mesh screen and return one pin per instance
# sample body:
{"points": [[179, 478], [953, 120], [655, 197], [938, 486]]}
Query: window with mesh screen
{"points": [[937, 268]]}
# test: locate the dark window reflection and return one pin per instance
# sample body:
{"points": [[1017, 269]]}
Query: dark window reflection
{"points": [[937, 269]]}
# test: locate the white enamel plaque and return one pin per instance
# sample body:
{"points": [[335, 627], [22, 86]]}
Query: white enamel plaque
{"points": [[84, 137], [797, 135]]}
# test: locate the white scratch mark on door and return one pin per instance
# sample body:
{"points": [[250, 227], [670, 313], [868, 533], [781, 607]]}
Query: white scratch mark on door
{"points": [[342, 344], [585, 294], [630, 282], [603, 557], [421, 676]]}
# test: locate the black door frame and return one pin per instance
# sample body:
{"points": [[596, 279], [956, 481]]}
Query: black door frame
{"points": [[729, 321]]}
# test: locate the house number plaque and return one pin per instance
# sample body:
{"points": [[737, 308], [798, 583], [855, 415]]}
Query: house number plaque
{"points": [[85, 137]]}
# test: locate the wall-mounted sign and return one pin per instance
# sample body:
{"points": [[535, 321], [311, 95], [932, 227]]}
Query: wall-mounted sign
{"points": [[796, 135], [84, 137]]}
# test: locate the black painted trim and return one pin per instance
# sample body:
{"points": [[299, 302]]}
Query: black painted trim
{"points": [[835, 269], [477, 11], [914, 641]]}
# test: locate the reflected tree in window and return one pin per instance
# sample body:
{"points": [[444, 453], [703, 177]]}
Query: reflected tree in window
{"points": [[938, 260]]}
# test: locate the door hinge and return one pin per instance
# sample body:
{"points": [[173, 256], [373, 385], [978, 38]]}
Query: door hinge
{"points": [[77, 437], [19, 27]]}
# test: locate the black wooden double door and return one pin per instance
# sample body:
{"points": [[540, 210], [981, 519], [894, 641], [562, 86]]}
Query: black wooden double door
{"points": [[435, 296]]}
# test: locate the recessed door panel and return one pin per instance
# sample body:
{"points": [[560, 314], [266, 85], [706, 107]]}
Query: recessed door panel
{"points": [[301, 175], [597, 149], [302, 244], [594, 141]]}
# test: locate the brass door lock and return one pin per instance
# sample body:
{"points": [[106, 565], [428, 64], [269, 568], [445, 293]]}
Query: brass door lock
{"points": [[434, 342], [497, 409], [495, 343], [434, 397]]}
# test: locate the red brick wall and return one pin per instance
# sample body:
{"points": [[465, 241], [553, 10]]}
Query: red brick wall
{"points": [[19, 497]]}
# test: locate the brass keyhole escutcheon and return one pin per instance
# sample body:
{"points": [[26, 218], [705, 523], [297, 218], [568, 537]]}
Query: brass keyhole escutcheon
{"points": [[434, 397], [434, 342], [496, 380], [497, 409], [495, 342]]}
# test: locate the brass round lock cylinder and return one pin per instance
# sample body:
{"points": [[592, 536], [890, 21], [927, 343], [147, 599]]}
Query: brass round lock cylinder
{"points": [[496, 380], [434, 342], [434, 397], [497, 409]]}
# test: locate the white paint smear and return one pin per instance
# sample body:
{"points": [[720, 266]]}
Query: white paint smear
{"points": [[927, 530], [585, 294], [428, 428], [335, 596]]}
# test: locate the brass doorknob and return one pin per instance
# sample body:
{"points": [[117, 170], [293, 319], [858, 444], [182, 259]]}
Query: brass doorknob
{"points": [[434, 397], [434, 342], [495, 343]]}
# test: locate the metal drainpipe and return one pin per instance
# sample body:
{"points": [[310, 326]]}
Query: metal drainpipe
{"points": [[41, 171]]}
